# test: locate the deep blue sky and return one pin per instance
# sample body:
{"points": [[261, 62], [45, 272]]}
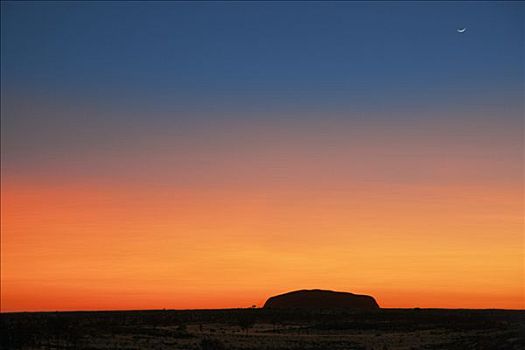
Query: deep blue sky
{"points": [[256, 53], [77, 75]]}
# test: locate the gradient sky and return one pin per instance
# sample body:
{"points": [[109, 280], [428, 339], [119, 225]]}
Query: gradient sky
{"points": [[211, 154]]}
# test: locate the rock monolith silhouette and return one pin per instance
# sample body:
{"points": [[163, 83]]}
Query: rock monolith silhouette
{"points": [[317, 299]]}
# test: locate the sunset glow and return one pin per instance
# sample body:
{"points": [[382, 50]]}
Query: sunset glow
{"points": [[151, 196]]}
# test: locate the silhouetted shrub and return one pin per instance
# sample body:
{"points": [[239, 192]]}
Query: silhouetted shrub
{"points": [[246, 319], [182, 332], [212, 344]]}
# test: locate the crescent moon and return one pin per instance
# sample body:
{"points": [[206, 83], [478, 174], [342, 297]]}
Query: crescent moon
{"points": [[461, 30]]}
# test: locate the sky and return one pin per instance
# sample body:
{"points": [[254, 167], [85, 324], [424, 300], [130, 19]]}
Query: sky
{"points": [[212, 154]]}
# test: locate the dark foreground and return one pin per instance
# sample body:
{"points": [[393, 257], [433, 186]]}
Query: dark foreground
{"points": [[266, 329]]}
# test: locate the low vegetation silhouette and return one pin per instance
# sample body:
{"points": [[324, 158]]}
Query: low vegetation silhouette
{"points": [[271, 328]]}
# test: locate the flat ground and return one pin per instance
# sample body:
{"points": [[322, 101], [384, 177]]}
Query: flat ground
{"points": [[266, 329]]}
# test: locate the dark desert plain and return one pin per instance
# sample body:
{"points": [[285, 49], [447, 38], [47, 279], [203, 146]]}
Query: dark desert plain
{"points": [[259, 328], [262, 175]]}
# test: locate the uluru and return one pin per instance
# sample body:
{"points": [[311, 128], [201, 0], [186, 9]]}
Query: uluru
{"points": [[317, 299]]}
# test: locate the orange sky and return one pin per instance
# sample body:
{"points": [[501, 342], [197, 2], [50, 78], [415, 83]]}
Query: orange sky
{"points": [[437, 225]]}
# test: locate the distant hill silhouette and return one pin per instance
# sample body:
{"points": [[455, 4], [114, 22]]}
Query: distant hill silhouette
{"points": [[316, 299]]}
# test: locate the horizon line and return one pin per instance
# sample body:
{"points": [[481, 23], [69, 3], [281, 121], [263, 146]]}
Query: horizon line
{"points": [[249, 308]]}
